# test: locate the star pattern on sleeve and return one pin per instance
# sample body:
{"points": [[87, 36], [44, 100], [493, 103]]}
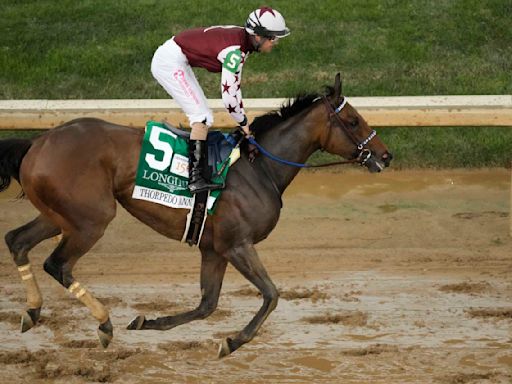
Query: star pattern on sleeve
{"points": [[225, 87], [231, 109]]}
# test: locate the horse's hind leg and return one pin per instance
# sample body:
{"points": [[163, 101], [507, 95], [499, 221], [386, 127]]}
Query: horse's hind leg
{"points": [[213, 267], [73, 245], [246, 261], [20, 241]]}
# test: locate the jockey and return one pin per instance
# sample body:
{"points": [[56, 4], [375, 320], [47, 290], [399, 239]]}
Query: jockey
{"points": [[217, 49]]}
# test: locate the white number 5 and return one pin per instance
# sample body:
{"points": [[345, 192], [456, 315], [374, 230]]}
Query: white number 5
{"points": [[165, 147], [233, 61]]}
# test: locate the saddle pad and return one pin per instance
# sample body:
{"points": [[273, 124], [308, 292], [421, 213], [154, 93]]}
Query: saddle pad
{"points": [[162, 173]]}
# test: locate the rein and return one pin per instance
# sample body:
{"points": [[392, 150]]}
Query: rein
{"points": [[362, 158], [292, 163]]}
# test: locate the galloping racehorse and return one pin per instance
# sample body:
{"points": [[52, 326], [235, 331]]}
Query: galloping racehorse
{"points": [[75, 173]]}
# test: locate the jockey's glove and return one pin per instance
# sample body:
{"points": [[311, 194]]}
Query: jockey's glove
{"points": [[244, 126], [241, 132]]}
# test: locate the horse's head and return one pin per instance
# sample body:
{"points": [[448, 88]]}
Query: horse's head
{"points": [[349, 135]]}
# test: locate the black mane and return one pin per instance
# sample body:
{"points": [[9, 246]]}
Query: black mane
{"points": [[290, 108]]}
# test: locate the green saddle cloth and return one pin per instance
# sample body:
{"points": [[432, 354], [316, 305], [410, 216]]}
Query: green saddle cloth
{"points": [[162, 173]]}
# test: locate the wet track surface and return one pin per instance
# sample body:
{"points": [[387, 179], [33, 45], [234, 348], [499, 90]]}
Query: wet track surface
{"points": [[402, 277]]}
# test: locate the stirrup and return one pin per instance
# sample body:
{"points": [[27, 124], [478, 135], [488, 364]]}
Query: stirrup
{"points": [[202, 185]]}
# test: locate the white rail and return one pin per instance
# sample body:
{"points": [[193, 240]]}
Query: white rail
{"points": [[483, 110]]}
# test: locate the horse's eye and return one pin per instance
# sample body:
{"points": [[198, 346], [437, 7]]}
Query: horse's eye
{"points": [[354, 123]]}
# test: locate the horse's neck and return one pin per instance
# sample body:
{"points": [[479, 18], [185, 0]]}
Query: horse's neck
{"points": [[294, 141]]}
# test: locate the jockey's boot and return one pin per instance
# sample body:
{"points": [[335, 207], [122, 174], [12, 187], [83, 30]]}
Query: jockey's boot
{"points": [[197, 160]]}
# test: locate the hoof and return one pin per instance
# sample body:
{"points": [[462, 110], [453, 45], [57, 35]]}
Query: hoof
{"points": [[224, 349], [106, 333], [29, 318], [136, 323]]}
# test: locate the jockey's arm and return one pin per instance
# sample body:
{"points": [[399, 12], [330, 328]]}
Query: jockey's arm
{"points": [[230, 87]]}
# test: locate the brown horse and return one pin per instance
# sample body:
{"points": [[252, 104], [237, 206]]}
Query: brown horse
{"points": [[75, 173]]}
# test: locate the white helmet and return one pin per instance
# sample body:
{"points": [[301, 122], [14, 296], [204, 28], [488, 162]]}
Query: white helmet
{"points": [[266, 22]]}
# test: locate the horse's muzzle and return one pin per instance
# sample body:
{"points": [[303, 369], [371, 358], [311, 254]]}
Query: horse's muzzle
{"points": [[386, 158], [375, 164]]}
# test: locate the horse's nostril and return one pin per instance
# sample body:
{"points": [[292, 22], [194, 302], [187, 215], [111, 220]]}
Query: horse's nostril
{"points": [[386, 158]]}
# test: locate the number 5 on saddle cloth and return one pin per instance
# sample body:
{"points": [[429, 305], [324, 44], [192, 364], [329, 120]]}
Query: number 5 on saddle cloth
{"points": [[162, 173]]}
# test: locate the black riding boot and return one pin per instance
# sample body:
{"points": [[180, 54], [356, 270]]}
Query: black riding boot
{"points": [[198, 159]]}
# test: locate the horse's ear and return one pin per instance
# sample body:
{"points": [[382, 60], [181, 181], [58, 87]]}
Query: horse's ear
{"points": [[337, 86]]}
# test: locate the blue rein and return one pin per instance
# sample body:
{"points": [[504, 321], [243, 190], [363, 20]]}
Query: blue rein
{"points": [[275, 158]]}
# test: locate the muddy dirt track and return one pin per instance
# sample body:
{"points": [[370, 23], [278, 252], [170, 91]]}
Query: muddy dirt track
{"points": [[403, 277]]}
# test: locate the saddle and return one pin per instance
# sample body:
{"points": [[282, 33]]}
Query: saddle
{"points": [[219, 146]]}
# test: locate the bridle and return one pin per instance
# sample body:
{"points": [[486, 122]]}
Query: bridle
{"points": [[362, 157], [364, 153]]}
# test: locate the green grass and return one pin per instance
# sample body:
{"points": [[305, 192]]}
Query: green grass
{"points": [[86, 49], [103, 48]]}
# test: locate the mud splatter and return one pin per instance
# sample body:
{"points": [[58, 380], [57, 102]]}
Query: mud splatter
{"points": [[176, 346], [80, 344], [112, 301], [56, 322], [466, 378], [467, 287], [296, 293], [475, 215], [19, 357], [10, 317], [89, 371], [349, 318], [375, 349], [499, 313], [351, 296], [303, 293]]}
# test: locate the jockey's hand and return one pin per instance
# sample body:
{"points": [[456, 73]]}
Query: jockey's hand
{"points": [[244, 126], [246, 134], [253, 152]]}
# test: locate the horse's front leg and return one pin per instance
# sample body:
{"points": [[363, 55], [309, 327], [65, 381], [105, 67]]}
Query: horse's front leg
{"points": [[213, 268], [246, 261]]}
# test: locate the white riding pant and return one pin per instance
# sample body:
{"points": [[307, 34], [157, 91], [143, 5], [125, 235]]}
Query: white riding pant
{"points": [[171, 69]]}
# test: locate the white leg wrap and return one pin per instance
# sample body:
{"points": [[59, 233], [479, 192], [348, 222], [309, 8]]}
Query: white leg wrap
{"points": [[34, 298], [97, 309]]}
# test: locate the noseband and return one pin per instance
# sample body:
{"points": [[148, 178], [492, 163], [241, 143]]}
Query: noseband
{"points": [[364, 153]]}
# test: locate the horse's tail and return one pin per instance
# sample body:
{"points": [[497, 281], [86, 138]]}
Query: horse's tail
{"points": [[12, 152]]}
